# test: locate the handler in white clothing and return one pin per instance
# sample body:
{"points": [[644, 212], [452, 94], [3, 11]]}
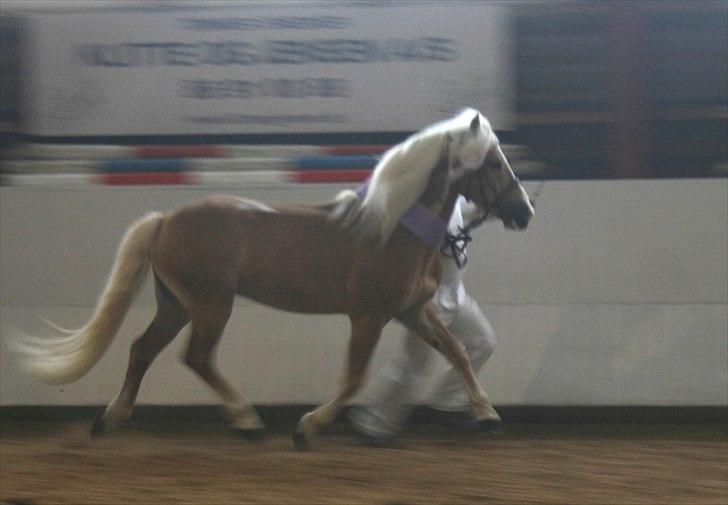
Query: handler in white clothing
{"points": [[402, 383]]}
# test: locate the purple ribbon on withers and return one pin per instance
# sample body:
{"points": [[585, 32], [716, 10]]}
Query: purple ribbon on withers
{"points": [[420, 220]]}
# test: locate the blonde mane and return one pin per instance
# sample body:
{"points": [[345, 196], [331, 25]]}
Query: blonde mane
{"points": [[401, 176]]}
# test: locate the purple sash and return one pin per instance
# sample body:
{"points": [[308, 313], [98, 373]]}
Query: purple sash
{"points": [[420, 220]]}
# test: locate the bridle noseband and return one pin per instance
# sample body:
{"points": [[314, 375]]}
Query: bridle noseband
{"points": [[494, 204]]}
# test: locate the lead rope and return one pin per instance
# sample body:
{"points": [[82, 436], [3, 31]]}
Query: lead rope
{"points": [[537, 191], [455, 245]]}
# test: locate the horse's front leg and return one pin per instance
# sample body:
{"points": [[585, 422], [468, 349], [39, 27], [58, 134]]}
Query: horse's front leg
{"points": [[425, 322], [365, 333]]}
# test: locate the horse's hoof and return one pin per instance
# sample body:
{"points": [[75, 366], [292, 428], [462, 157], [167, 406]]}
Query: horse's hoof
{"points": [[98, 428], [490, 426], [301, 441], [251, 435], [303, 434]]}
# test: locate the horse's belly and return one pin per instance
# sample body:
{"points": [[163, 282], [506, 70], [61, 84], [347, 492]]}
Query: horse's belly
{"points": [[292, 298]]}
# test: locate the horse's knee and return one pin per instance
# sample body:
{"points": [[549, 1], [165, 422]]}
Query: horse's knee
{"points": [[145, 348], [197, 362], [142, 352], [137, 348]]}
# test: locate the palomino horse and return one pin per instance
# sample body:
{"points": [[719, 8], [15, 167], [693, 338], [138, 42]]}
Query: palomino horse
{"points": [[374, 258]]}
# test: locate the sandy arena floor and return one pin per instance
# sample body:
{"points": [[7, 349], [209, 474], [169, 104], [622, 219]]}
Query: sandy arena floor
{"points": [[204, 463]]}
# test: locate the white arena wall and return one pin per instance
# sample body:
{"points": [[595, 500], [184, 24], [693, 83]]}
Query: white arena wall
{"points": [[616, 295]]}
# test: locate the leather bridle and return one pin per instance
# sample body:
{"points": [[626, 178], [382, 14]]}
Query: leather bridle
{"points": [[492, 206], [455, 245]]}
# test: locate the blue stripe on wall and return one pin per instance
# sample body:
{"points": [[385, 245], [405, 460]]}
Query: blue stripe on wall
{"points": [[324, 162]]}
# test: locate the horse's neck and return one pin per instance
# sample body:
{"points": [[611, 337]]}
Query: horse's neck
{"points": [[439, 195], [449, 205]]}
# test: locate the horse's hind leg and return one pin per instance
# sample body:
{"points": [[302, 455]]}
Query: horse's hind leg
{"points": [[169, 320], [424, 321], [208, 322], [365, 333]]}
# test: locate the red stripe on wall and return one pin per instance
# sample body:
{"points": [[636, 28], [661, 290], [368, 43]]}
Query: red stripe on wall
{"points": [[321, 176], [144, 178], [356, 149]]}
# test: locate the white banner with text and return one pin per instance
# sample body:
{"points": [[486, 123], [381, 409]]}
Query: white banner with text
{"points": [[277, 68]]}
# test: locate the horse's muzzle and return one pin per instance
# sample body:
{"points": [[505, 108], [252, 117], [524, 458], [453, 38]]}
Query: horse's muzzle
{"points": [[516, 215]]}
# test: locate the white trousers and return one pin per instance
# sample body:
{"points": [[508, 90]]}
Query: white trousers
{"points": [[408, 381]]}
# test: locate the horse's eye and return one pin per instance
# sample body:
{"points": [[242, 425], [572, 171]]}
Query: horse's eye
{"points": [[492, 163]]}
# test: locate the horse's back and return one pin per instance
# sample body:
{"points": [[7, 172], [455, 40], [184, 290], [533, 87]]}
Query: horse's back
{"points": [[289, 257]]}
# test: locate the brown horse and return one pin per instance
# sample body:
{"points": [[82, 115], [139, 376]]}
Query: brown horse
{"points": [[374, 258]]}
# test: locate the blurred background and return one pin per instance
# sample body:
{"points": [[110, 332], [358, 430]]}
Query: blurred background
{"points": [[616, 295], [592, 89]]}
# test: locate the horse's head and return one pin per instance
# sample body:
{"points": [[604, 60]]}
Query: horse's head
{"points": [[441, 155], [496, 190]]}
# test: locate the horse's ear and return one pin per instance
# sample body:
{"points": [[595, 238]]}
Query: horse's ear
{"points": [[475, 123]]}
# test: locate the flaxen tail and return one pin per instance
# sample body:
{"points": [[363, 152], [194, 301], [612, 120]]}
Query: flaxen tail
{"points": [[66, 359]]}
